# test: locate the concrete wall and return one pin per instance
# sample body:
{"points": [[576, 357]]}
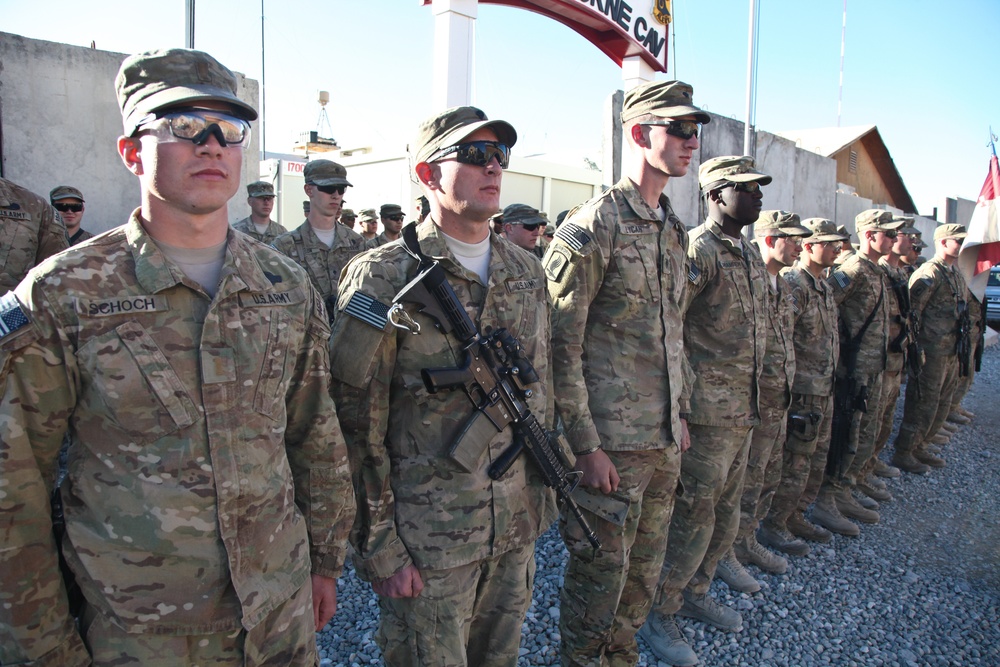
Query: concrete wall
{"points": [[60, 122], [956, 210]]}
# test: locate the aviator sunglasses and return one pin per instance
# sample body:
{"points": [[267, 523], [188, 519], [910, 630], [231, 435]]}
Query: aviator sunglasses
{"points": [[196, 125], [682, 129], [478, 153]]}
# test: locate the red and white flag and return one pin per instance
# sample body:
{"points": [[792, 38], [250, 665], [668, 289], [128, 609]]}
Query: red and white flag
{"points": [[981, 249]]}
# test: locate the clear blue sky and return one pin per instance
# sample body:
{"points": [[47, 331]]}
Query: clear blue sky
{"points": [[922, 71]]}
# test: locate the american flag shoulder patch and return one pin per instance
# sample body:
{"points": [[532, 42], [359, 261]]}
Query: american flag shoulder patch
{"points": [[573, 235], [842, 279], [368, 310], [12, 317]]}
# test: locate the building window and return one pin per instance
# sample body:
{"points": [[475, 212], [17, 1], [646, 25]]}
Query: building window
{"points": [[853, 166]]}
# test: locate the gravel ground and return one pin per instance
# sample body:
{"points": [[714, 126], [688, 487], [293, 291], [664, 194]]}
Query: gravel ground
{"points": [[921, 588]]}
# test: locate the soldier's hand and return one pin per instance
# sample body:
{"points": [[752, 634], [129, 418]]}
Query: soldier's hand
{"points": [[685, 436], [324, 590], [598, 471], [404, 584]]}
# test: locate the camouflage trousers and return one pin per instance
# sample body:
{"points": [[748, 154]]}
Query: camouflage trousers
{"points": [[466, 615], [890, 397], [928, 401], [803, 458], [284, 638], [861, 441], [605, 598], [707, 515], [764, 463]]}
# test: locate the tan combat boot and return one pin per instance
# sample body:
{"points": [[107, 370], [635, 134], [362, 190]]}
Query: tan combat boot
{"points": [[826, 514], [883, 469], [850, 507], [749, 550], [731, 571], [927, 458], [906, 462], [956, 417], [799, 527]]}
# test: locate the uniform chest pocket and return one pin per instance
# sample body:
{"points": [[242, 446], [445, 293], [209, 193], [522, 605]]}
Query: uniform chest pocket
{"points": [[130, 374], [636, 263], [272, 383]]}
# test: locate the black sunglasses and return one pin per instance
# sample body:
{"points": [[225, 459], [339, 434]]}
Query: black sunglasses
{"points": [[66, 208], [396, 217], [530, 227], [682, 129], [332, 189], [749, 186], [478, 153]]}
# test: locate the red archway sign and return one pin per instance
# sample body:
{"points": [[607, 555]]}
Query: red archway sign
{"points": [[619, 28]]}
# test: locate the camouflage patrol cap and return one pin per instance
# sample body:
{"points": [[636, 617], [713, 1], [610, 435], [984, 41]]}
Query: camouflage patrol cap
{"points": [[367, 215], [325, 172], [951, 231], [729, 169], [65, 192], [347, 214], [390, 209], [450, 127], [779, 223], [423, 204], [260, 189], [522, 214], [877, 220], [907, 227], [561, 217], [666, 99], [918, 244], [824, 230], [154, 80]]}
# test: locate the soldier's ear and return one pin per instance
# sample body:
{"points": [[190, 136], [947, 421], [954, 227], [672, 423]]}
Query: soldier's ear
{"points": [[637, 136], [428, 174], [130, 151]]}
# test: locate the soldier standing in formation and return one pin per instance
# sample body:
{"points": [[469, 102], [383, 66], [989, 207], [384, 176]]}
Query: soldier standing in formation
{"points": [[779, 239], [724, 338], [522, 225], [392, 223], [207, 502], [260, 198], [68, 202], [347, 218], [449, 550], [616, 274], [817, 351], [320, 245], [938, 294]]}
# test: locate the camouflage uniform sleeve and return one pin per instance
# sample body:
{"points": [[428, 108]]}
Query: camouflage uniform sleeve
{"points": [[362, 362], [52, 236], [922, 288], [317, 450], [841, 281], [701, 271], [575, 264], [36, 380]]}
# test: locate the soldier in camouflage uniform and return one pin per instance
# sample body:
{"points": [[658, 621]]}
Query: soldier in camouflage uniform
{"points": [[725, 325], [260, 197], [617, 270], [901, 334], [847, 249], [320, 245], [522, 226], [937, 293], [369, 223], [862, 292], [207, 502], [779, 239], [392, 222], [30, 231], [817, 351], [449, 550], [347, 218], [68, 202]]}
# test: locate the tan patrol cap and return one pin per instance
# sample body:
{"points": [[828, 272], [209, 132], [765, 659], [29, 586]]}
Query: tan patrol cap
{"points": [[367, 215], [950, 232], [347, 214], [875, 219], [154, 80], [64, 192], [666, 99], [825, 230], [907, 227], [450, 127], [731, 169], [779, 223], [522, 214], [325, 172], [260, 189]]}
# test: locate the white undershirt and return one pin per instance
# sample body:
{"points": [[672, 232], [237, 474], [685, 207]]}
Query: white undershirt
{"points": [[774, 281], [261, 229], [202, 265], [473, 256], [325, 235], [737, 241]]}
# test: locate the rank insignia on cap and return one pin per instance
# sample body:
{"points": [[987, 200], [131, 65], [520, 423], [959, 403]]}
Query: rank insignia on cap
{"points": [[12, 317], [368, 310], [842, 279], [573, 235]]}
